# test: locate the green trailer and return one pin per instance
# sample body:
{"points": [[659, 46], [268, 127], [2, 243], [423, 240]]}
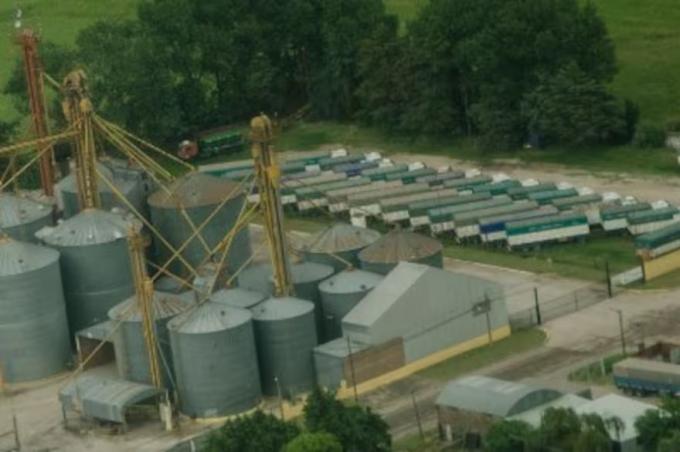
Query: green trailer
{"points": [[615, 218], [466, 224], [409, 177], [467, 183], [496, 188], [547, 197], [441, 218], [381, 173], [659, 242], [651, 220], [524, 191], [554, 228]]}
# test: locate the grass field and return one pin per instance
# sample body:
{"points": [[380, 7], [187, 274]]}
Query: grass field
{"points": [[58, 21], [518, 342], [309, 136]]}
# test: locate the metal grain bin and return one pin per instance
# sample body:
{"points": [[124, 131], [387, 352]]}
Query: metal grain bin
{"points": [[342, 240], [33, 330], [285, 335], [340, 293], [132, 357], [396, 246], [215, 361], [67, 189], [21, 218], [238, 298], [306, 279], [199, 195], [256, 278], [95, 264]]}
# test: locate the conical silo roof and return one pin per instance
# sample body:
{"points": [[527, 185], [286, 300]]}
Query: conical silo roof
{"points": [[350, 281], [21, 257], [194, 190], [237, 297], [165, 305], [340, 237], [399, 245], [276, 309], [89, 227], [304, 272], [70, 182], [17, 210], [209, 317]]}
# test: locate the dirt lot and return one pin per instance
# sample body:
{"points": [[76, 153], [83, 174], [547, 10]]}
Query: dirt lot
{"points": [[648, 188]]}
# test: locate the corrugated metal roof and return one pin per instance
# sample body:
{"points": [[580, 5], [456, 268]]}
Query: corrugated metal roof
{"points": [[339, 348], [20, 257], [350, 281], [281, 308], [487, 395], [164, 305], [237, 297], [304, 272], [89, 227], [398, 245], [209, 317], [341, 237], [194, 190], [104, 398], [16, 210], [70, 182], [374, 305]]}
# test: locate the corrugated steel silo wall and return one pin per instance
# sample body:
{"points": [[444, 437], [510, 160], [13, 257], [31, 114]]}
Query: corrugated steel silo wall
{"points": [[132, 357], [335, 307], [217, 372], [33, 330], [285, 351], [435, 260], [96, 278], [26, 232], [134, 194], [175, 228], [338, 265]]}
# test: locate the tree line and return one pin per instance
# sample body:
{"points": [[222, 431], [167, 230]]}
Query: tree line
{"points": [[506, 72]]}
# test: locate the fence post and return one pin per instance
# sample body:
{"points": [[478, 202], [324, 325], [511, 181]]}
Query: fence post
{"points": [[15, 424], [351, 367], [538, 307], [609, 279]]}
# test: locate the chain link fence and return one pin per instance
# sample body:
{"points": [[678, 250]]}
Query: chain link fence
{"points": [[545, 310]]}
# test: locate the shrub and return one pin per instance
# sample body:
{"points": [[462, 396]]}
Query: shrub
{"points": [[649, 136]]}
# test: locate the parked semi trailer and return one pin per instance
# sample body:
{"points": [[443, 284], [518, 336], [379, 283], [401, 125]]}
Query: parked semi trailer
{"points": [[555, 228], [644, 376]]}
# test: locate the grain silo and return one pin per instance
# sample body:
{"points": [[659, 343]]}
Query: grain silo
{"points": [[33, 330], [256, 277], [238, 298], [398, 245], [215, 361], [340, 294], [285, 335], [21, 218], [196, 196], [131, 354], [306, 279], [95, 264], [342, 240], [67, 190]]}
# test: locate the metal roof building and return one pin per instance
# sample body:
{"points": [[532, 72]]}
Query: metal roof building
{"points": [[431, 309], [492, 396]]}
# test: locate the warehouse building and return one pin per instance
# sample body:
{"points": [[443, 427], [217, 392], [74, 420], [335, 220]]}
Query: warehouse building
{"points": [[416, 316], [468, 406]]}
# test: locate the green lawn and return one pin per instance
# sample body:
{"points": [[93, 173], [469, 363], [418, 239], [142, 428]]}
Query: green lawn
{"points": [[415, 443], [58, 21], [593, 373], [518, 342]]}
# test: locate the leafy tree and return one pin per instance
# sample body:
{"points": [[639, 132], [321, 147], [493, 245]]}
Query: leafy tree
{"points": [[6, 131], [508, 436], [649, 136], [560, 426], [258, 432], [592, 440], [573, 108], [656, 425], [670, 443], [314, 442], [357, 428]]}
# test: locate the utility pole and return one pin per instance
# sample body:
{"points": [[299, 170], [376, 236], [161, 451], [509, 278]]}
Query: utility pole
{"points": [[351, 368], [415, 408], [621, 331], [609, 279], [537, 306]]}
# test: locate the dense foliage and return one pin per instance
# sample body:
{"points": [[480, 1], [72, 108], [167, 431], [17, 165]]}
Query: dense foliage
{"points": [[506, 71], [659, 428], [330, 426], [560, 429]]}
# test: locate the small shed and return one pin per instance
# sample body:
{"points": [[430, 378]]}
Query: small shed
{"points": [[468, 406]]}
